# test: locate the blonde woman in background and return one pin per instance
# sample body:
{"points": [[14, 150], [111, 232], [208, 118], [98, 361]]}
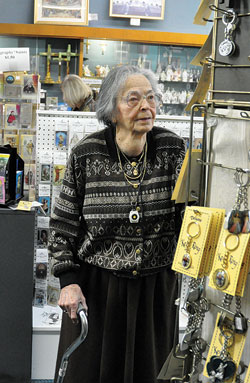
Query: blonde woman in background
{"points": [[77, 94]]}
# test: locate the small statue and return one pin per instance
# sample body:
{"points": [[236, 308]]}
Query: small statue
{"points": [[98, 70], [87, 72]]}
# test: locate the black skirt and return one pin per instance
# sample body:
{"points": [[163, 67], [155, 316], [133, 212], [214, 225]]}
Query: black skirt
{"points": [[131, 328]]}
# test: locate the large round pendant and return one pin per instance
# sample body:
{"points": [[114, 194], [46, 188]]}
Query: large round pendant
{"points": [[226, 48]]}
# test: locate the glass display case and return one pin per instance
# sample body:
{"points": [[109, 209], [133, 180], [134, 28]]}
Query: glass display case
{"points": [[50, 58], [176, 76], [20, 92], [53, 58]]}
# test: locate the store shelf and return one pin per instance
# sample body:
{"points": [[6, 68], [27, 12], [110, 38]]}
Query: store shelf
{"points": [[74, 32]]}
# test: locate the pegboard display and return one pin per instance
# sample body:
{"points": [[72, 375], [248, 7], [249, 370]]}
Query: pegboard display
{"points": [[231, 66], [49, 122]]}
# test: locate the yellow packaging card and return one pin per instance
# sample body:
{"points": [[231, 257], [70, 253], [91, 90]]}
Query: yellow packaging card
{"points": [[235, 348], [247, 377], [192, 241], [24, 205], [227, 261], [243, 273], [218, 216]]}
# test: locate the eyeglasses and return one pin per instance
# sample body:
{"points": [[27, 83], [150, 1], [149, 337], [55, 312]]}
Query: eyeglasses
{"points": [[135, 98]]}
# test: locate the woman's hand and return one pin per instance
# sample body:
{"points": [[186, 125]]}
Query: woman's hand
{"points": [[70, 297]]}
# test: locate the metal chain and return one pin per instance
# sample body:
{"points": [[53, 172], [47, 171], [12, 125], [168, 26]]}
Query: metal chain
{"points": [[224, 352], [245, 197], [227, 300], [238, 304]]}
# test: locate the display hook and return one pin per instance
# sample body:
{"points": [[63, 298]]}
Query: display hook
{"points": [[239, 170], [223, 11]]}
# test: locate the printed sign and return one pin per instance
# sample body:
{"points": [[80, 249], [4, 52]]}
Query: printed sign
{"points": [[14, 59]]}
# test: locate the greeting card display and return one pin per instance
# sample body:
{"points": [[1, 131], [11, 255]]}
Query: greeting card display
{"points": [[2, 189], [28, 147], [1, 115], [4, 162], [45, 201], [11, 139], [61, 140], [13, 82], [26, 114], [58, 174], [29, 176], [30, 86], [12, 115], [45, 173], [19, 184], [11, 173]]}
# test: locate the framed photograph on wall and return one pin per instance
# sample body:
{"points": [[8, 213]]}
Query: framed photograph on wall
{"points": [[68, 12], [139, 9]]}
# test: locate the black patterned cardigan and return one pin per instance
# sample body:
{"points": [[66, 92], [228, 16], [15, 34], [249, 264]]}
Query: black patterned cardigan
{"points": [[90, 222]]}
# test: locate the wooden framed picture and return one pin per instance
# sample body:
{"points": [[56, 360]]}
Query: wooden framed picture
{"points": [[140, 9], [68, 12]]}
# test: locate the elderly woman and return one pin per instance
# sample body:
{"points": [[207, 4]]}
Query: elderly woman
{"points": [[77, 94], [113, 236]]}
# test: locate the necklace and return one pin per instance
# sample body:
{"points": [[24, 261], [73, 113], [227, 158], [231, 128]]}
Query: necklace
{"points": [[134, 165], [129, 179], [134, 212]]}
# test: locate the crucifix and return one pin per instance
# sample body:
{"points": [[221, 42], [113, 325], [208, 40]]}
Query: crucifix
{"points": [[68, 54], [87, 44], [48, 79], [59, 59]]}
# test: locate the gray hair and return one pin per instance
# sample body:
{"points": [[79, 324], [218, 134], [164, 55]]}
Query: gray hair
{"points": [[75, 91], [111, 87]]}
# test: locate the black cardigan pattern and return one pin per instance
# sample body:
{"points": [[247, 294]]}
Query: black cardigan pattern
{"points": [[90, 220]]}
